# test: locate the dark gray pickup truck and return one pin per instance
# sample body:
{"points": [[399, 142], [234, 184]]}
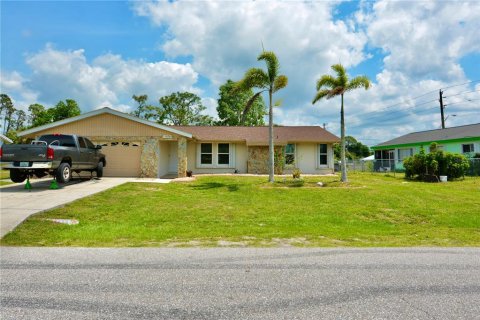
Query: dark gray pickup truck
{"points": [[55, 154]]}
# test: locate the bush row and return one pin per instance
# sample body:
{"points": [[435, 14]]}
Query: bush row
{"points": [[436, 163]]}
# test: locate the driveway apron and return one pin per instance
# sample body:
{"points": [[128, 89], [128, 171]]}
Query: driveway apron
{"points": [[17, 204]]}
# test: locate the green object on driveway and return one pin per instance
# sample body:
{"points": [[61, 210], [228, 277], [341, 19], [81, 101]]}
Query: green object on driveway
{"points": [[28, 185], [54, 184]]}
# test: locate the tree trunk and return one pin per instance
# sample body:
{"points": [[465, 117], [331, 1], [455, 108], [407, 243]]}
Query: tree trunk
{"points": [[342, 128], [271, 151]]}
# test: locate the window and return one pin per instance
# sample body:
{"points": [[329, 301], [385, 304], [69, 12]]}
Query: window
{"points": [[206, 153], [81, 143], [223, 153], [215, 155], [466, 148], [323, 155], [404, 153], [89, 143], [63, 140], [290, 154]]}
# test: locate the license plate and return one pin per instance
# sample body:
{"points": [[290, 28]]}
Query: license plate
{"points": [[24, 164]]}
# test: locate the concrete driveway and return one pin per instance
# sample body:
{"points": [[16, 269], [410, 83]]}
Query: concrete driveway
{"points": [[17, 203]]}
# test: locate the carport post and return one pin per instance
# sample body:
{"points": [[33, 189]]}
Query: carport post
{"points": [[182, 157]]}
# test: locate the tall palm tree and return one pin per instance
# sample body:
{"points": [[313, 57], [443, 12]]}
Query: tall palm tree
{"points": [[329, 87], [269, 81]]}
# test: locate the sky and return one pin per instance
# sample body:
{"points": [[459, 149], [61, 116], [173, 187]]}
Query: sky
{"points": [[100, 53]]}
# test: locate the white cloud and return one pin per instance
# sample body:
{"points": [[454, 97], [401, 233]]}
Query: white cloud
{"points": [[108, 80], [225, 38], [13, 82], [422, 42], [211, 105], [425, 39]]}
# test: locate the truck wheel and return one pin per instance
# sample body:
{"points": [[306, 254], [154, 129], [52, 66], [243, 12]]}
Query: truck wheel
{"points": [[63, 173], [100, 169], [17, 176]]}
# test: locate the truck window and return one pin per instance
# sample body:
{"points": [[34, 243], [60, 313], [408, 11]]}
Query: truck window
{"points": [[81, 143], [63, 140], [89, 143]]}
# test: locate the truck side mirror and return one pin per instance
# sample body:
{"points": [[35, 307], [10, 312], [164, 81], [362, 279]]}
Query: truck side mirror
{"points": [[98, 147]]}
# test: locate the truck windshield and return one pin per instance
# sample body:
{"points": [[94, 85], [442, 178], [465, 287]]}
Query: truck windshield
{"points": [[63, 140]]}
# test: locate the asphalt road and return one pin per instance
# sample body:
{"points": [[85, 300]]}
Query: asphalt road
{"points": [[284, 283]]}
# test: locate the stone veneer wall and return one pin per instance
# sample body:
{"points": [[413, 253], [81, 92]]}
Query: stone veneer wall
{"points": [[149, 159], [257, 162], [182, 157]]}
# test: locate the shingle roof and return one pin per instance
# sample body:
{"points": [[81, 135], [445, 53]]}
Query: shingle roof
{"points": [[259, 135], [467, 131]]}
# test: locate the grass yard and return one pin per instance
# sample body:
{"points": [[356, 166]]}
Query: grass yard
{"points": [[372, 210], [4, 174], [5, 177]]}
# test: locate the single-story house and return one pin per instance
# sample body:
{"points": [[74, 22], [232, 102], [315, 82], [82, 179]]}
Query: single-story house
{"points": [[135, 147], [462, 139]]}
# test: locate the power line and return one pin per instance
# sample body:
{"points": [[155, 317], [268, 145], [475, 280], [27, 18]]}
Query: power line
{"points": [[461, 84], [403, 110], [395, 117], [417, 97], [393, 105], [463, 101], [463, 92]]}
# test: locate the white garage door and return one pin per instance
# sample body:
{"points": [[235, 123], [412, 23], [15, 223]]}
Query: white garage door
{"points": [[123, 159]]}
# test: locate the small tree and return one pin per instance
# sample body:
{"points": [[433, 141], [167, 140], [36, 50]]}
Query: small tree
{"points": [[231, 105], [270, 81], [147, 111], [330, 87], [182, 109], [7, 111], [65, 110]]}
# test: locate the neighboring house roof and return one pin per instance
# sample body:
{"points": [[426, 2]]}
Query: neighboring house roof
{"points": [[5, 138], [259, 135], [454, 133], [103, 111]]}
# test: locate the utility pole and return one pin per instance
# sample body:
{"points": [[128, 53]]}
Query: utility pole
{"points": [[441, 109]]}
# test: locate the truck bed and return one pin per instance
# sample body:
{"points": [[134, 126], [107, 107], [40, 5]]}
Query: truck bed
{"points": [[24, 153]]}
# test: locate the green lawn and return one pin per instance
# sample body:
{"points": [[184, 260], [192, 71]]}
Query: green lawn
{"points": [[372, 210], [4, 174], [5, 178]]}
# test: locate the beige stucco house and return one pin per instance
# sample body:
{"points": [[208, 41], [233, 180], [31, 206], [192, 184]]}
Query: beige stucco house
{"points": [[136, 147]]}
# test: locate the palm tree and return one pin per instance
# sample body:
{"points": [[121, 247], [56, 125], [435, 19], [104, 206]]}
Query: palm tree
{"points": [[329, 87], [269, 81]]}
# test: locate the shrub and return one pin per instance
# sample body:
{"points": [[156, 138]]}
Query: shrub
{"points": [[296, 173], [415, 165], [436, 163], [279, 160], [456, 165]]}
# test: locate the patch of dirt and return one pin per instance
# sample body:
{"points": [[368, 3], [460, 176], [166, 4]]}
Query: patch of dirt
{"points": [[224, 243], [287, 242], [185, 179]]}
